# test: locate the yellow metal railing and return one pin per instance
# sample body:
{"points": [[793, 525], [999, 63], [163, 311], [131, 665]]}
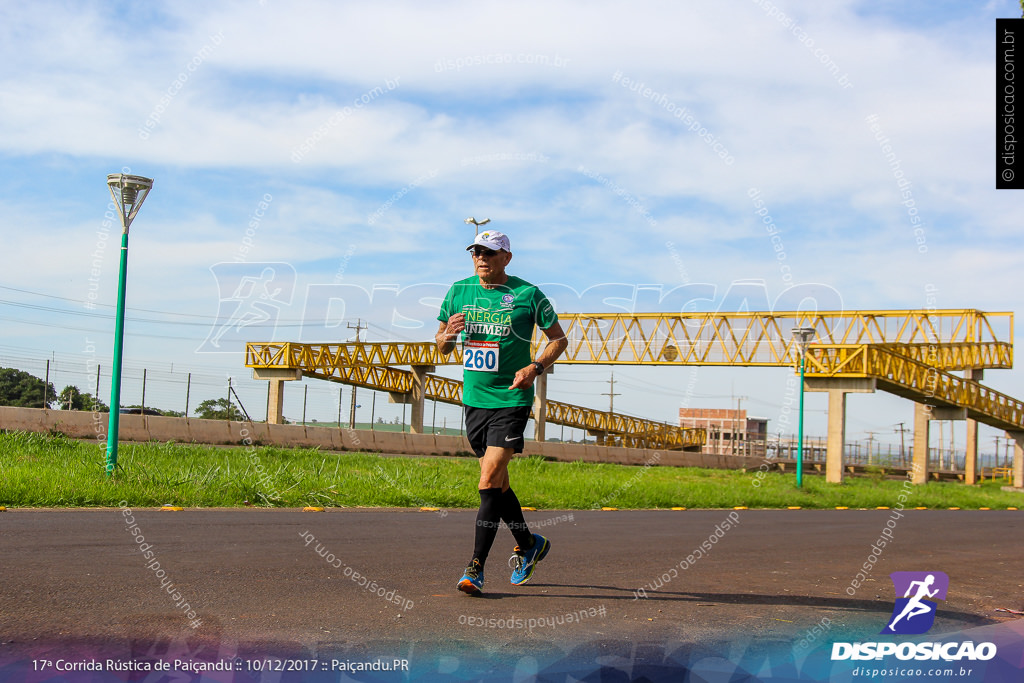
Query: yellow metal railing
{"points": [[1005, 473], [326, 357], [908, 351], [619, 429], [970, 338], [719, 345], [912, 378]]}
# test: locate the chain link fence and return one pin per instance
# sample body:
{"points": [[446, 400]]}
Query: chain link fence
{"points": [[177, 390]]}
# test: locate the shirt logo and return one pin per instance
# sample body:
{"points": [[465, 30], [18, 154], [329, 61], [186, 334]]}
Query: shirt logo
{"points": [[482, 321], [914, 613]]}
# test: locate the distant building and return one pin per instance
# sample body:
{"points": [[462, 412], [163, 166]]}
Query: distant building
{"points": [[730, 432]]}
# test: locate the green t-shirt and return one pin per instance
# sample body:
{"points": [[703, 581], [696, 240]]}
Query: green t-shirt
{"points": [[496, 341]]}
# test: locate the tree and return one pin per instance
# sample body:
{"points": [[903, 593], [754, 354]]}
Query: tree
{"points": [[71, 398], [19, 388], [218, 409]]}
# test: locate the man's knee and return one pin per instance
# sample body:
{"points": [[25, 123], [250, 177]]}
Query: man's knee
{"points": [[494, 478], [494, 483], [494, 467]]}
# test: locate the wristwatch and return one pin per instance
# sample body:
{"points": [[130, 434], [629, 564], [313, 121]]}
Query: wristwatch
{"points": [[539, 366]]}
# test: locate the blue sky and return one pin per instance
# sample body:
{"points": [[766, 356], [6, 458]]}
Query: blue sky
{"points": [[374, 130]]}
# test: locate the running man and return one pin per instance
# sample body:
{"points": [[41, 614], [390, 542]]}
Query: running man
{"points": [[914, 606], [496, 314]]}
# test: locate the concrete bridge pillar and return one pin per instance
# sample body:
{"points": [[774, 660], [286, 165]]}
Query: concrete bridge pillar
{"points": [[417, 396], [837, 388], [934, 413], [922, 420], [836, 436], [275, 391], [1018, 458], [971, 461]]}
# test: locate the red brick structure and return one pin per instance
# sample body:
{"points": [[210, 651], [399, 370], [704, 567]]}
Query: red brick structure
{"points": [[730, 432]]}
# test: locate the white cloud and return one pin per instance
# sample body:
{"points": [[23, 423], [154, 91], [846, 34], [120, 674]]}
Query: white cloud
{"points": [[458, 136]]}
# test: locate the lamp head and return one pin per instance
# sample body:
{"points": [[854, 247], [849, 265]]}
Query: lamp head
{"points": [[473, 221], [128, 193], [802, 336]]}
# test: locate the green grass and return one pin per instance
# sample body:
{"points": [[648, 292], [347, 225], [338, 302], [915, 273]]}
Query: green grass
{"points": [[41, 470]]}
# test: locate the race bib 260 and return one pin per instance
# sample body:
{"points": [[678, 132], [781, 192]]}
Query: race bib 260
{"points": [[480, 356]]}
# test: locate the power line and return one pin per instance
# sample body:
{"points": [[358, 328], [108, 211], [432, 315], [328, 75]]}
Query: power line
{"points": [[83, 302], [209, 320]]}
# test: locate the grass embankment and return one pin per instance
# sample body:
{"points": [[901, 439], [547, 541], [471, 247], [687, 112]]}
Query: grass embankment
{"points": [[39, 470]]}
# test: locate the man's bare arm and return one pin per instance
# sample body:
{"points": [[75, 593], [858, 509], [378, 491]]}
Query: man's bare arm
{"points": [[448, 333], [557, 343]]}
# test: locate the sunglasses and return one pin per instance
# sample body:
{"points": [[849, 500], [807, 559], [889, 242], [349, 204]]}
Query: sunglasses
{"points": [[481, 251]]}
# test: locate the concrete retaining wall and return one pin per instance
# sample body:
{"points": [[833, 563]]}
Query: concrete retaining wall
{"points": [[87, 425]]}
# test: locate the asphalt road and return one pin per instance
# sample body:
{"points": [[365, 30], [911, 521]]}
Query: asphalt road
{"points": [[78, 580]]}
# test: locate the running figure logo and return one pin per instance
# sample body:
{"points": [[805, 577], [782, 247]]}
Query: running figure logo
{"points": [[914, 614], [250, 299]]}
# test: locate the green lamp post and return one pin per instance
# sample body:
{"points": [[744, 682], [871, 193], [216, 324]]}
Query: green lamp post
{"points": [[128, 192], [802, 336]]}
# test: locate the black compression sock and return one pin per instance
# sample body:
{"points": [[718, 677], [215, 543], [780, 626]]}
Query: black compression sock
{"points": [[512, 515], [487, 520]]}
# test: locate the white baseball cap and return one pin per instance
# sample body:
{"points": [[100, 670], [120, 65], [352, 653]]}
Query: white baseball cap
{"points": [[492, 239]]}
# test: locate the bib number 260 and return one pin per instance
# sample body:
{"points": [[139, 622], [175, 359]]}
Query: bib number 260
{"points": [[480, 357]]}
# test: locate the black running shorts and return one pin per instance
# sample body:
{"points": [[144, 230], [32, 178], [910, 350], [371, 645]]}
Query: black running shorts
{"points": [[501, 427]]}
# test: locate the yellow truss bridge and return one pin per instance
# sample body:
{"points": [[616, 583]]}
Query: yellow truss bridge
{"points": [[371, 366], [911, 353]]}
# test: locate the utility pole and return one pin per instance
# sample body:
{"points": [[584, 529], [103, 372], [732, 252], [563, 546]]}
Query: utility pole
{"points": [[871, 439], [352, 412], [902, 430], [942, 444], [736, 426], [611, 394], [952, 445]]}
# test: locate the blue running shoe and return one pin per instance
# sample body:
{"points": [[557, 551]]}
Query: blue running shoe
{"points": [[524, 562], [472, 582]]}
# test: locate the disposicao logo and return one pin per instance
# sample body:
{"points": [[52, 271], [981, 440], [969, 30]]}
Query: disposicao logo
{"points": [[914, 614]]}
